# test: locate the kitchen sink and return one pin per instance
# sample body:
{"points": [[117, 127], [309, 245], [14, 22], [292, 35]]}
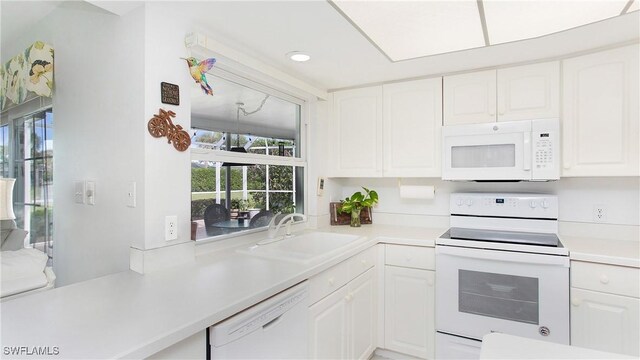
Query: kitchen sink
{"points": [[302, 248]]}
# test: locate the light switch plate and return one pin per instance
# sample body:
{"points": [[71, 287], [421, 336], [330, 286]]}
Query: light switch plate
{"points": [[79, 191], [131, 195], [91, 192]]}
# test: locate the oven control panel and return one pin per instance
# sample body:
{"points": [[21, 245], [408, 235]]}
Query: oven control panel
{"points": [[505, 205]]}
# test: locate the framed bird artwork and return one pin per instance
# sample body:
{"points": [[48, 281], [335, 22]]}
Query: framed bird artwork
{"points": [[198, 71]]}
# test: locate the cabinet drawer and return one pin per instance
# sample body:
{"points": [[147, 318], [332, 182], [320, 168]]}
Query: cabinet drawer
{"points": [[410, 256], [610, 279], [362, 262], [328, 281]]}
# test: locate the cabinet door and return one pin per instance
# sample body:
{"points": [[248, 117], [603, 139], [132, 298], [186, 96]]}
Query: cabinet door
{"points": [[409, 311], [529, 92], [412, 122], [362, 315], [605, 322], [357, 132], [470, 98], [328, 327], [600, 114]]}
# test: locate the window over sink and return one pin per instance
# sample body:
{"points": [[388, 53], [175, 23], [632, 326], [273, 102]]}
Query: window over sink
{"points": [[247, 158]]}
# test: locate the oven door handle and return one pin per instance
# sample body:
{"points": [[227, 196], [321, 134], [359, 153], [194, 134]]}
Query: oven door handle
{"points": [[504, 256]]}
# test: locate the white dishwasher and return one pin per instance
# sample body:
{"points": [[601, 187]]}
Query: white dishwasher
{"points": [[276, 328]]}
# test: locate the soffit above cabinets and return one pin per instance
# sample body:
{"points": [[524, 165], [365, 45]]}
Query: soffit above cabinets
{"points": [[405, 30]]}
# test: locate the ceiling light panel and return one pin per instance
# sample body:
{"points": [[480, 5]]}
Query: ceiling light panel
{"points": [[411, 29], [518, 20]]}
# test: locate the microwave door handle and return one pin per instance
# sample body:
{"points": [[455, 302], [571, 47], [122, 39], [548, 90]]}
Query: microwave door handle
{"points": [[526, 143]]}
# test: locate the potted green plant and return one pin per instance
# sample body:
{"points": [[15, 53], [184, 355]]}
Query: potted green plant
{"points": [[357, 202]]}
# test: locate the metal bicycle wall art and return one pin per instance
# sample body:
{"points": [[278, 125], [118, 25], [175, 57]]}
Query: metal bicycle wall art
{"points": [[161, 125]]}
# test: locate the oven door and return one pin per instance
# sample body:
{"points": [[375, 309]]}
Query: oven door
{"points": [[479, 291], [487, 152]]}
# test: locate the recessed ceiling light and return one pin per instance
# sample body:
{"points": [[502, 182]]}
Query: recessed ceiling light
{"points": [[298, 56]]}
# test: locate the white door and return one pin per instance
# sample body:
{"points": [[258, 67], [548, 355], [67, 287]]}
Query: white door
{"points": [[362, 315], [412, 122], [328, 327], [605, 322], [470, 98], [356, 141], [600, 120], [529, 92], [409, 326]]}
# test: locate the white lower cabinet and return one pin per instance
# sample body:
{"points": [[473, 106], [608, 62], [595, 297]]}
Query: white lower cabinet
{"points": [[343, 324], [605, 322], [605, 307], [409, 300], [343, 315]]}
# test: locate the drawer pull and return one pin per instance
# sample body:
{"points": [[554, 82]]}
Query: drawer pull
{"points": [[331, 281], [430, 282], [576, 302], [348, 297], [604, 279], [363, 261]]}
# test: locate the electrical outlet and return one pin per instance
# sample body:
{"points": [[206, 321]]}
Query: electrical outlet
{"points": [[599, 213], [171, 227]]}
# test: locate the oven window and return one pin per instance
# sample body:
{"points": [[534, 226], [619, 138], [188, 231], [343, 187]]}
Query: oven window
{"points": [[500, 296], [483, 156]]}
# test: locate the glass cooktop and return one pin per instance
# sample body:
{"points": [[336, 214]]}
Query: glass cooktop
{"points": [[502, 236]]}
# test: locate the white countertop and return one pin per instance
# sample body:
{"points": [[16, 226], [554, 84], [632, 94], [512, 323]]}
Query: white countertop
{"points": [[503, 346], [127, 315], [623, 252]]}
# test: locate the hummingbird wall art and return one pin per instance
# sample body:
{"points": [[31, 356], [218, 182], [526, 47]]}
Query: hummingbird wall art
{"points": [[198, 71]]}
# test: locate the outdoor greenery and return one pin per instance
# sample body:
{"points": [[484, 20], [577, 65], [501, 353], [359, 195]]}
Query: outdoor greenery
{"points": [[203, 179], [199, 206]]}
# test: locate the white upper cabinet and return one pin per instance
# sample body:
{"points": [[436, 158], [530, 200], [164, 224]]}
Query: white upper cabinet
{"points": [[518, 93], [412, 124], [470, 98], [356, 133], [600, 114], [529, 92]]}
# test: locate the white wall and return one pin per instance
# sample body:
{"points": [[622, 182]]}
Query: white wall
{"points": [[99, 122], [577, 196], [168, 184]]}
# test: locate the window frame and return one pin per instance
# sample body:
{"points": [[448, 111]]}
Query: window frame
{"points": [[9, 118], [199, 154]]}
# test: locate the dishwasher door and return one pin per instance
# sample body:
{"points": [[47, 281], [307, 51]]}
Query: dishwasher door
{"points": [[273, 329]]}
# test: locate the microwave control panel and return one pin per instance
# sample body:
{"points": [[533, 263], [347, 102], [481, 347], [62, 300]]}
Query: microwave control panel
{"points": [[545, 143]]}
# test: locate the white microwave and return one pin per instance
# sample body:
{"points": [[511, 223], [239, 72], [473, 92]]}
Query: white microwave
{"points": [[526, 150]]}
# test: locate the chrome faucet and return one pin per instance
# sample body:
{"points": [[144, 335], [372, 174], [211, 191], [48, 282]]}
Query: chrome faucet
{"points": [[273, 228], [272, 232]]}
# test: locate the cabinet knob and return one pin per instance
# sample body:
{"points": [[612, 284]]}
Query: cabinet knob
{"points": [[604, 279], [348, 297], [331, 281], [430, 282], [363, 261], [575, 301]]}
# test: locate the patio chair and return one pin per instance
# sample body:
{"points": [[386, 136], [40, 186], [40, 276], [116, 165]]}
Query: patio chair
{"points": [[215, 213], [261, 219]]}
